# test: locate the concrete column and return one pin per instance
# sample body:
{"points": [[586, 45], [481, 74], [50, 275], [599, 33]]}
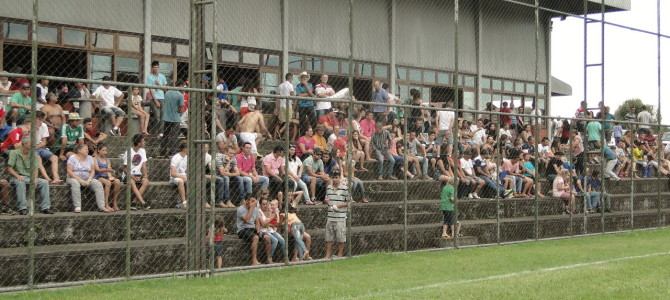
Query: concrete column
{"points": [[547, 50], [478, 54], [284, 39], [392, 47], [147, 41]]}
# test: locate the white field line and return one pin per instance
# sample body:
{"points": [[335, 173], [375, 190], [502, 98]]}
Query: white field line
{"points": [[510, 275]]}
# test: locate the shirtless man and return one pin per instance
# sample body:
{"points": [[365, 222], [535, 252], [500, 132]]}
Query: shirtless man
{"points": [[250, 125], [54, 113]]}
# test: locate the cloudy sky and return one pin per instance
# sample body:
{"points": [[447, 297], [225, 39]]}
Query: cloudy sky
{"points": [[630, 59]]}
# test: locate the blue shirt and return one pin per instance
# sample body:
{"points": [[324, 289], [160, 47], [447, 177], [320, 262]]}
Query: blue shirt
{"points": [[380, 96], [171, 104], [157, 80], [301, 89], [222, 95], [609, 154]]}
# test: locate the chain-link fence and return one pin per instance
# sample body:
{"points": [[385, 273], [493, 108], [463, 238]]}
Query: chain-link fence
{"points": [[191, 137]]}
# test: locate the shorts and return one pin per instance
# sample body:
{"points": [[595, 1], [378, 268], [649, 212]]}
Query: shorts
{"points": [[441, 135], [44, 153], [336, 231], [449, 217], [249, 137], [137, 180], [247, 234], [218, 248], [113, 110], [563, 195], [282, 114], [175, 181]]}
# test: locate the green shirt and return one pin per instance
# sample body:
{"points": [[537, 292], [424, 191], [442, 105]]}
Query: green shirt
{"points": [[20, 100], [72, 134], [447, 198], [593, 129], [20, 162]]}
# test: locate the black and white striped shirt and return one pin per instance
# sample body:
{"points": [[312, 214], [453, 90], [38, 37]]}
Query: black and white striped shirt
{"points": [[337, 196]]}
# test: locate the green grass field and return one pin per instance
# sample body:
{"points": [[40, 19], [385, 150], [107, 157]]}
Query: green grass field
{"points": [[633, 265]]}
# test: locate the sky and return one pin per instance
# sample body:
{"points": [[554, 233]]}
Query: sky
{"points": [[631, 59]]}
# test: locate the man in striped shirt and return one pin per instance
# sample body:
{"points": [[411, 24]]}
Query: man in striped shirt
{"points": [[337, 199], [381, 144]]}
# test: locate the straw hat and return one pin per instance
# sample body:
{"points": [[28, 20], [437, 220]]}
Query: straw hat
{"points": [[73, 117]]}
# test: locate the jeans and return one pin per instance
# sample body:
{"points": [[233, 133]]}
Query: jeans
{"points": [[277, 240], [220, 190], [95, 186], [517, 184], [297, 230], [499, 189], [381, 154], [609, 169], [42, 187], [399, 162], [357, 187], [225, 185], [302, 186], [592, 200], [424, 165]]}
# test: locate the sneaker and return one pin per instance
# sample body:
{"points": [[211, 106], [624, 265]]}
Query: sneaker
{"points": [[380, 178], [470, 196], [112, 132], [474, 195], [47, 211], [393, 177], [23, 212], [509, 193], [77, 209], [7, 211]]}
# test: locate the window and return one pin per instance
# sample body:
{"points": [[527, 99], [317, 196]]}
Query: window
{"points": [[540, 89], [101, 66], [485, 83], [496, 84], [444, 78], [331, 66], [230, 55], [295, 62], [183, 50], [74, 37], [129, 43], [102, 40], [346, 68], [470, 81], [15, 31], [468, 103], [313, 64], [530, 88], [166, 69], [508, 86], [425, 94], [519, 87], [414, 75], [208, 52], [161, 48], [270, 60], [269, 82], [541, 106], [381, 71], [127, 69], [47, 35], [250, 58], [484, 99], [429, 77], [364, 69], [402, 73]]}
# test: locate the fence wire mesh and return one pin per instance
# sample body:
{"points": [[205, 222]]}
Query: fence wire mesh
{"points": [[189, 137]]}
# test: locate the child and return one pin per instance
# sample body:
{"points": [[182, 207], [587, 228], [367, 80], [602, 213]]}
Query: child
{"points": [[136, 107], [303, 241], [561, 189], [448, 211], [638, 159], [617, 132], [593, 191], [92, 135], [104, 173], [219, 231]]}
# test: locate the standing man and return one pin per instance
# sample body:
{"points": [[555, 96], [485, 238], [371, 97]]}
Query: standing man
{"points": [[337, 199], [305, 107], [171, 105], [445, 121], [111, 98], [645, 118], [379, 95], [250, 126], [323, 90], [285, 89], [157, 95]]}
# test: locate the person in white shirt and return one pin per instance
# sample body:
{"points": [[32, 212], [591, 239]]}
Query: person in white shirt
{"points": [[42, 90], [478, 136], [644, 117], [445, 121], [178, 166], [286, 88], [110, 96], [323, 90], [138, 169]]}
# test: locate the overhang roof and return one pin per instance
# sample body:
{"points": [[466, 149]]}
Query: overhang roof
{"points": [[577, 6], [560, 87]]}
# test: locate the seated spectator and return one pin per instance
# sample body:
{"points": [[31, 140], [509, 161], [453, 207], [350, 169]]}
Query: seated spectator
{"points": [[138, 110], [303, 241], [273, 168], [92, 136], [357, 186], [18, 167], [248, 103], [329, 120], [314, 174], [15, 136], [104, 172], [139, 175], [41, 146], [320, 138], [19, 104], [178, 177], [55, 117], [222, 162], [381, 143], [593, 191], [306, 144], [80, 173], [109, 106], [71, 134], [246, 223], [529, 173], [561, 189], [267, 222], [623, 161], [246, 163], [368, 125], [417, 152], [295, 170], [228, 138], [337, 199], [329, 163]]}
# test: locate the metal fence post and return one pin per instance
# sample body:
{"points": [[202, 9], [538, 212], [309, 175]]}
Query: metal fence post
{"points": [[457, 107], [350, 116], [33, 144]]}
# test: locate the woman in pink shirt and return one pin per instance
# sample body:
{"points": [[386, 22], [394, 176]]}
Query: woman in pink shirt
{"points": [[561, 189], [305, 144]]}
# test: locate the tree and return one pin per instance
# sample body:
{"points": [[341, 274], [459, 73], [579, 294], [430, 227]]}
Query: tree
{"points": [[624, 108]]}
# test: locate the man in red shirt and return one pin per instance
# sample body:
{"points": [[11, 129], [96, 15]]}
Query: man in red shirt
{"points": [[15, 136], [329, 120], [506, 109], [246, 163]]}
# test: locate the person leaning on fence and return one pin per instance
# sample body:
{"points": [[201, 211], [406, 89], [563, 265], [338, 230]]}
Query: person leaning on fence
{"points": [[245, 221], [18, 166], [449, 214], [337, 199], [138, 172], [178, 168], [80, 173]]}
